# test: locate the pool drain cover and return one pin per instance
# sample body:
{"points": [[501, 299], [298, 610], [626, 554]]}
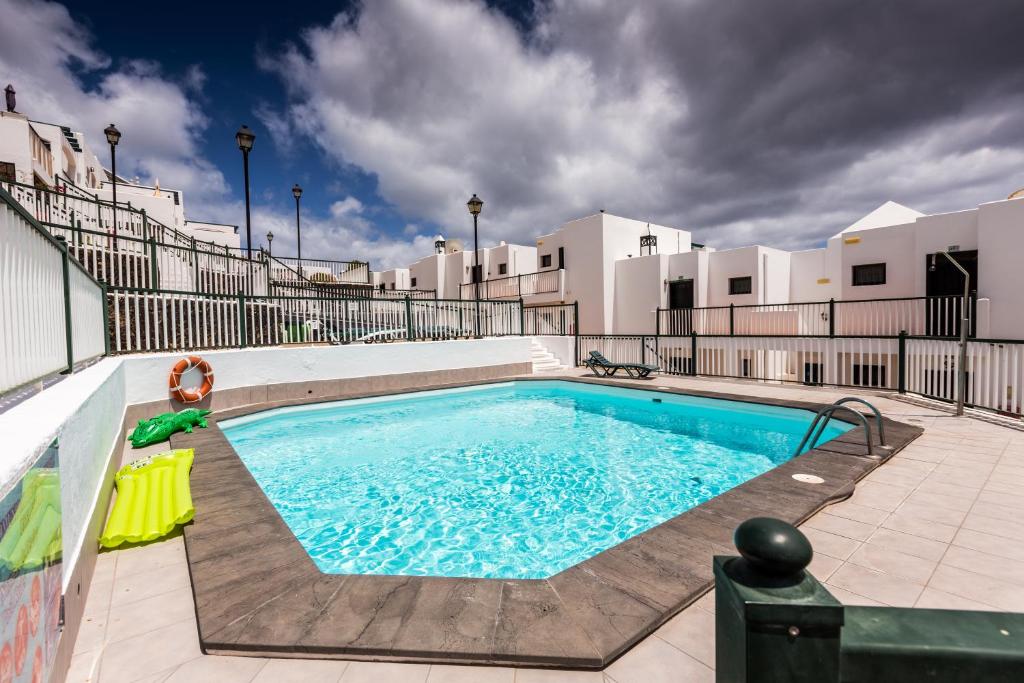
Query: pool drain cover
{"points": [[809, 478]]}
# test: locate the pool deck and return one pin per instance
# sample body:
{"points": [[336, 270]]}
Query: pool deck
{"points": [[932, 527]]}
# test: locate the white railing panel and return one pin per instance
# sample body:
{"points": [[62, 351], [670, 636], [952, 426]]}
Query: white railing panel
{"points": [[88, 336], [31, 302]]}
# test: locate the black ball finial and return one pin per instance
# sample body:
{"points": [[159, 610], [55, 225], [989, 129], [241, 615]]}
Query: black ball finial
{"points": [[772, 546]]}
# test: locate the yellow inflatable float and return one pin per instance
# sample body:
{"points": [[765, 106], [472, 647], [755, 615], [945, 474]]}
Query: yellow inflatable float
{"points": [[33, 537], [153, 497]]}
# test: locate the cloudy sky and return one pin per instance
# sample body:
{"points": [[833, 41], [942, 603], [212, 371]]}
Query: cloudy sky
{"points": [[777, 122]]}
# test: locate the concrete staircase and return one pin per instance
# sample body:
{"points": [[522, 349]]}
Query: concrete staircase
{"points": [[544, 360]]}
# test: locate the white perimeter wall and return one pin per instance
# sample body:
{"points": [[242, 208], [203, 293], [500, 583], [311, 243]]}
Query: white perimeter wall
{"points": [[85, 410]]}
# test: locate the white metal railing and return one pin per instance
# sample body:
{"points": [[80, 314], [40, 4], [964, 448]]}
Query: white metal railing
{"points": [[515, 286], [88, 333], [46, 300], [933, 316], [995, 372]]}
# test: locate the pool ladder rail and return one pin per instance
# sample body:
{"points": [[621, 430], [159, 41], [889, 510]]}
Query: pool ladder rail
{"points": [[821, 421]]}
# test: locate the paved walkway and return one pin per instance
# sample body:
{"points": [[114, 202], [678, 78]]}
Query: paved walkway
{"points": [[937, 526]]}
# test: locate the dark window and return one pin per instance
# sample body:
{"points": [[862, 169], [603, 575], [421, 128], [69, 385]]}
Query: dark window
{"points": [[745, 370], [502, 269], [868, 375], [561, 258], [382, 287], [813, 373], [477, 271], [869, 274], [412, 282], [392, 285], [545, 261], [7, 172], [741, 285]]}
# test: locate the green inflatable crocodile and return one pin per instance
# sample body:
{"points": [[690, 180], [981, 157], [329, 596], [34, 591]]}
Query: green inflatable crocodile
{"points": [[160, 428]]}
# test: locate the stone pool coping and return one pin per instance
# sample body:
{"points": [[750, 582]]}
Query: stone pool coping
{"points": [[257, 592]]}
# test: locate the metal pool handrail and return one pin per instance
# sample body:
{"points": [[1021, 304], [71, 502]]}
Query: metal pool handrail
{"points": [[821, 420]]}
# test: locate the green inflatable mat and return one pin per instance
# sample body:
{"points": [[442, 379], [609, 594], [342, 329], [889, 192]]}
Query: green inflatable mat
{"points": [[153, 497]]}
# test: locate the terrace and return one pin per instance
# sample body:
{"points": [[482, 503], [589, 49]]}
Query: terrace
{"points": [[931, 525]]}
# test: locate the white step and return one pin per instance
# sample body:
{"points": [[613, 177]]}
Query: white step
{"points": [[543, 360]]}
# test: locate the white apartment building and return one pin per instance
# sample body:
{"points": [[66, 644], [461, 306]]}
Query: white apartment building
{"points": [[449, 270], [621, 271], [55, 158]]}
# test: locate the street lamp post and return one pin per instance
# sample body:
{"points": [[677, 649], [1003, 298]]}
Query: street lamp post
{"points": [[297, 193], [475, 205], [245, 137], [961, 393], [113, 137]]}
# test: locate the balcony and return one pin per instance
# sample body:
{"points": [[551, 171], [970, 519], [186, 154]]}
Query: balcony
{"points": [[548, 285]]}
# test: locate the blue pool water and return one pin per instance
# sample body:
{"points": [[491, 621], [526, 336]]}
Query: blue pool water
{"points": [[513, 480]]}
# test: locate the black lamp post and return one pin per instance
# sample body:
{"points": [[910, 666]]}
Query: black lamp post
{"points": [[475, 205], [297, 193], [113, 137], [244, 137]]}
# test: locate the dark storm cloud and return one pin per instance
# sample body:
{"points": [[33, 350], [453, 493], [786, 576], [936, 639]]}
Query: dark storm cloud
{"points": [[769, 121]]}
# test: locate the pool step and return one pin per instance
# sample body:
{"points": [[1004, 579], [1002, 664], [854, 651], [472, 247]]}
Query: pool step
{"points": [[544, 360]]}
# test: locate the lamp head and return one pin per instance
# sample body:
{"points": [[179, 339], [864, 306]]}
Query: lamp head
{"points": [[296, 191], [270, 237], [245, 137], [113, 134], [475, 205]]}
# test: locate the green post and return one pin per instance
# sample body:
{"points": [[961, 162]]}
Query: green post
{"points": [[66, 271], [774, 623], [832, 317], [145, 225], [522, 317], [242, 333], [154, 273], [408, 318], [657, 322], [106, 318], [576, 328], [195, 266], [901, 367], [693, 353]]}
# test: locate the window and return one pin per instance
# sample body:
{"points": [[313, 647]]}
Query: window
{"points": [[561, 258], [545, 261], [502, 269], [7, 174], [478, 274], [869, 274], [412, 282], [741, 285], [392, 285], [869, 375]]}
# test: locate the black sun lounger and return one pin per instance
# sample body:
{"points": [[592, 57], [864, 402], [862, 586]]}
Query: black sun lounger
{"points": [[598, 362]]}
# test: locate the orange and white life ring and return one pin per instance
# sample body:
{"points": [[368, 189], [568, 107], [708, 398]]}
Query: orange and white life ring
{"points": [[191, 395]]}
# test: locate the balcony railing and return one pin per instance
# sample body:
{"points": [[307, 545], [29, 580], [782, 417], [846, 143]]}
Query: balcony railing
{"points": [[516, 286], [925, 316]]}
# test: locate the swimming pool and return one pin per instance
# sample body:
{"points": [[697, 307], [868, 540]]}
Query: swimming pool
{"points": [[517, 480]]}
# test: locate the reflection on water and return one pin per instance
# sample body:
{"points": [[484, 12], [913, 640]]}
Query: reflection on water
{"points": [[30, 572]]}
